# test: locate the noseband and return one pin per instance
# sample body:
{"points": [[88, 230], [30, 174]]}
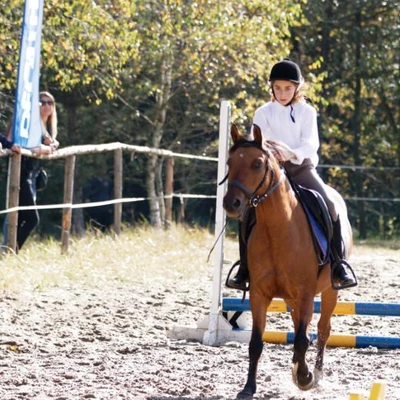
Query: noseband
{"points": [[255, 199]]}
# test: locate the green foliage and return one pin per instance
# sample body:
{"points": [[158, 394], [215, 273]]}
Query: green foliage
{"points": [[85, 45], [357, 44], [153, 72]]}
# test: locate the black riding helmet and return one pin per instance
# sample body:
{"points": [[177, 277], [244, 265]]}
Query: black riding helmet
{"points": [[286, 70]]}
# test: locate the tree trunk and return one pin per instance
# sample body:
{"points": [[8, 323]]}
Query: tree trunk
{"points": [[160, 189], [152, 166], [169, 189], [155, 218], [325, 50], [362, 228]]}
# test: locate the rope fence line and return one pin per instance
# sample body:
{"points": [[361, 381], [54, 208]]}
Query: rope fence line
{"points": [[102, 203], [98, 148], [70, 153], [137, 199]]}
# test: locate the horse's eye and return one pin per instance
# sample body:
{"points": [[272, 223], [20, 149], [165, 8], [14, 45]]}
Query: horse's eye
{"points": [[258, 164]]}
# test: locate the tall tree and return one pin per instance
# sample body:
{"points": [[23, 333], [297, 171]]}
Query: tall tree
{"points": [[85, 45], [193, 53], [357, 44]]}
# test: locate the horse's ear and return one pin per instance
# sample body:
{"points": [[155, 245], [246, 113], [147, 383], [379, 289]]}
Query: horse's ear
{"points": [[258, 137], [235, 134]]}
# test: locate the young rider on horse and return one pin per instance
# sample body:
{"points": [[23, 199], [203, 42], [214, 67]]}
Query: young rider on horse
{"points": [[289, 119]]}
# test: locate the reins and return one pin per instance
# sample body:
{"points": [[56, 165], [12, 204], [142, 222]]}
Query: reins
{"points": [[216, 241]]}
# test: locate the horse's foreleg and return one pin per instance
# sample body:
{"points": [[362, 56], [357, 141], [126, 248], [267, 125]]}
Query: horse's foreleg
{"points": [[302, 315], [328, 303], [255, 350], [258, 310]]}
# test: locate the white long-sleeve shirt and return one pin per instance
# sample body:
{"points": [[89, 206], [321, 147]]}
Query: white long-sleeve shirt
{"points": [[301, 136]]}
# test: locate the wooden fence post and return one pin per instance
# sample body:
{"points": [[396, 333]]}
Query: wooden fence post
{"points": [[13, 200], [118, 175], [68, 198], [169, 190]]}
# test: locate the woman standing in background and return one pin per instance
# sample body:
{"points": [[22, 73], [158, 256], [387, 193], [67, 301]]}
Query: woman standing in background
{"points": [[30, 168]]}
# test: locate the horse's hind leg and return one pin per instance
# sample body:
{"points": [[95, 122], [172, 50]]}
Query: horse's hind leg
{"points": [[259, 307], [328, 303], [302, 315]]}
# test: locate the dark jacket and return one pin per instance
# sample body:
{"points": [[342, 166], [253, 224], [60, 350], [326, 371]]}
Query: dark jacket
{"points": [[5, 142]]}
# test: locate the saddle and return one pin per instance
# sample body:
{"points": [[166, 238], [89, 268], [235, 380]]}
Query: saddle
{"points": [[318, 218]]}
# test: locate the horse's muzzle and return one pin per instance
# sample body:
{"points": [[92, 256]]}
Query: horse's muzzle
{"points": [[235, 204]]}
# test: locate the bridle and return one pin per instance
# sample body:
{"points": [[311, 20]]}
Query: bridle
{"points": [[255, 199]]}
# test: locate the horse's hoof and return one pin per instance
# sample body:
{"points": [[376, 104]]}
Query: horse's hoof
{"points": [[309, 381], [245, 395], [308, 385], [318, 375]]}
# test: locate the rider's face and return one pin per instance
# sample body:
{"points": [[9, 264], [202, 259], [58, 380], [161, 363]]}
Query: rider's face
{"points": [[284, 91]]}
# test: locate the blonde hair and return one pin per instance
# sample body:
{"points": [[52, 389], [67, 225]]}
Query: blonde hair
{"points": [[52, 120]]}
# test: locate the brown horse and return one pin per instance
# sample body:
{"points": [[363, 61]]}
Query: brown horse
{"points": [[281, 257]]}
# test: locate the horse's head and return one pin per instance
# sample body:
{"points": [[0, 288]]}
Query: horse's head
{"points": [[251, 173]]}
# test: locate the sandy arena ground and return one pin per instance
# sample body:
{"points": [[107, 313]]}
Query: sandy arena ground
{"points": [[112, 343]]}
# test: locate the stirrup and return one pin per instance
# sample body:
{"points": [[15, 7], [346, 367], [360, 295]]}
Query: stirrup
{"points": [[336, 286], [231, 285]]}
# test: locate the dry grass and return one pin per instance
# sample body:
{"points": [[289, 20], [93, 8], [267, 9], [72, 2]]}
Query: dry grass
{"points": [[142, 255], [378, 244]]}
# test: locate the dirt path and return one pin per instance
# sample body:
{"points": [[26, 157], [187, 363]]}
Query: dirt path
{"points": [[111, 343]]}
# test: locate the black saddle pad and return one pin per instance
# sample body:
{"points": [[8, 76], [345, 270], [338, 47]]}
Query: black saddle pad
{"points": [[319, 220]]}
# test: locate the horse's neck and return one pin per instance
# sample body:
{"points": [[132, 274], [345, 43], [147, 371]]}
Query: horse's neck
{"points": [[280, 208]]}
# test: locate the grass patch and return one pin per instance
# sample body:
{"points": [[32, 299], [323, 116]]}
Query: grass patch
{"points": [[141, 255], [374, 244]]}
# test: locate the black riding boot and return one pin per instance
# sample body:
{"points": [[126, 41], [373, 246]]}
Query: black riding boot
{"points": [[239, 281], [342, 274]]}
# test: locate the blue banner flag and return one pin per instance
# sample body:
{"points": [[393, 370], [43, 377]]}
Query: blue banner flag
{"points": [[27, 129]]}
